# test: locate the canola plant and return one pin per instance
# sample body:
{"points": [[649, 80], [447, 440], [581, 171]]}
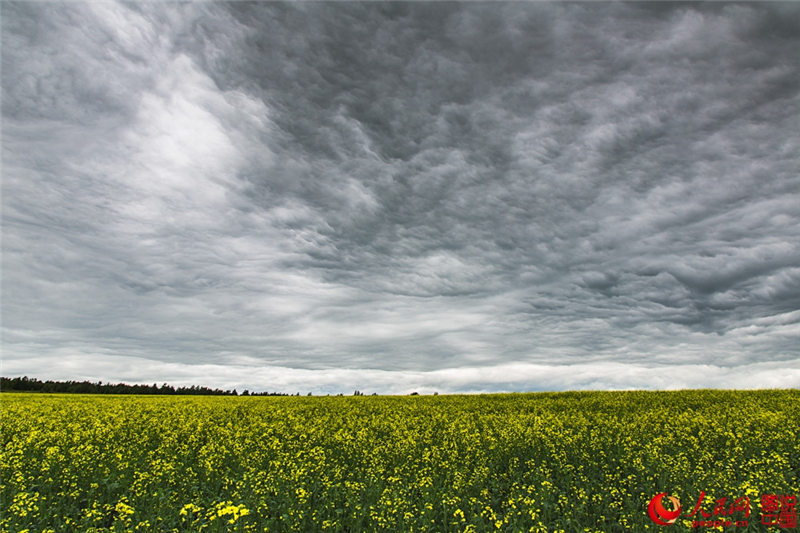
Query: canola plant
{"points": [[542, 462]]}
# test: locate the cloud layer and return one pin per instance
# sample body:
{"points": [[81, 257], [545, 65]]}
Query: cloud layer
{"points": [[433, 196]]}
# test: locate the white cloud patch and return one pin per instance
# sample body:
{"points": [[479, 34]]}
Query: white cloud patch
{"points": [[501, 378]]}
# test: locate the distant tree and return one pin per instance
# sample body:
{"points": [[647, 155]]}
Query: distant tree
{"points": [[27, 384]]}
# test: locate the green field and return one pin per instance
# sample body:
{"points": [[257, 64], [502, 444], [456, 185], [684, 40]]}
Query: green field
{"points": [[574, 462]]}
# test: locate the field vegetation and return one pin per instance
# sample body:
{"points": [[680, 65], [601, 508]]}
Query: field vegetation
{"points": [[572, 462]]}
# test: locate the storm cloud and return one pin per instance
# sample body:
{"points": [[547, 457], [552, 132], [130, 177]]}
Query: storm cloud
{"points": [[402, 196]]}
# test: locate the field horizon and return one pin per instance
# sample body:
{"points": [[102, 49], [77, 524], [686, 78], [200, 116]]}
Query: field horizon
{"points": [[166, 389]]}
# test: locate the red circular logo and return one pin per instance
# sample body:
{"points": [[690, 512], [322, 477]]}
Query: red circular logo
{"points": [[659, 514]]}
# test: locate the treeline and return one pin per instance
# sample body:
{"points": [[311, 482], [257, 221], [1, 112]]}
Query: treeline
{"points": [[26, 384]]}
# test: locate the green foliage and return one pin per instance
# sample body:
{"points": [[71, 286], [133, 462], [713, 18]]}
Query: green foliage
{"points": [[571, 462]]}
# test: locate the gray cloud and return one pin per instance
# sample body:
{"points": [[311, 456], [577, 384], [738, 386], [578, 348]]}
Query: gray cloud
{"points": [[425, 195]]}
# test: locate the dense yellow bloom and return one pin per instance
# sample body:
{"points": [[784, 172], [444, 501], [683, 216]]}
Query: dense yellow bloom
{"points": [[574, 462]]}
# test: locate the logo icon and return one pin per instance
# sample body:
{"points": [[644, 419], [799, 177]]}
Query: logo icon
{"points": [[659, 514]]}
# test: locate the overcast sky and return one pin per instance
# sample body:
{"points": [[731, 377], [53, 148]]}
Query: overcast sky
{"points": [[395, 197]]}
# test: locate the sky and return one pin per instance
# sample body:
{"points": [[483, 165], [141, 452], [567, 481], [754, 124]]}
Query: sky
{"points": [[397, 197]]}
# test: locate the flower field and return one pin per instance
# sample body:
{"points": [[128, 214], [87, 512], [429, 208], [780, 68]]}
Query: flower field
{"points": [[573, 462]]}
